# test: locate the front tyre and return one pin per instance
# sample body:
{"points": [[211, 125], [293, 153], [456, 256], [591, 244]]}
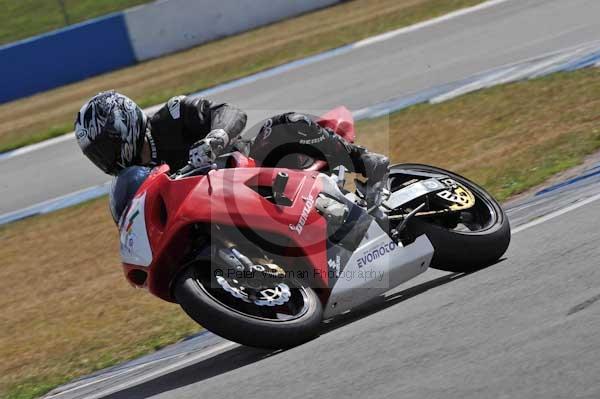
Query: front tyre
{"points": [[277, 326], [483, 235]]}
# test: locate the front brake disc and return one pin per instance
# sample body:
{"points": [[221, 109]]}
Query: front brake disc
{"points": [[272, 296]]}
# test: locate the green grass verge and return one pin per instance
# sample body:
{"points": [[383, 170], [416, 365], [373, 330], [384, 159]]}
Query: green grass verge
{"points": [[52, 132], [34, 387], [509, 138], [20, 19]]}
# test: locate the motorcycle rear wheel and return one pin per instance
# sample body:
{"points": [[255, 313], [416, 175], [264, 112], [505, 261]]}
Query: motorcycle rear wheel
{"points": [[246, 323], [464, 250]]}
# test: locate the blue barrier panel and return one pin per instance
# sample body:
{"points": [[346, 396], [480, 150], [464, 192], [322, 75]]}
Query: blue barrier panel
{"points": [[64, 56]]}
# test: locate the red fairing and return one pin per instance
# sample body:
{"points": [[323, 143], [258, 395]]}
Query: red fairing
{"points": [[238, 160], [341, 121], [226, 197], [229, 197]]}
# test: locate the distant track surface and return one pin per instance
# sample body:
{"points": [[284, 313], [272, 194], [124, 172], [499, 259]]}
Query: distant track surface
{"points": [[526, 327], [435, 54]]}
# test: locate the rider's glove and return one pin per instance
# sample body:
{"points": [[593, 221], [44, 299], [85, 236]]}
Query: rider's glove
{"points": [[201, 154], [205, 151]]}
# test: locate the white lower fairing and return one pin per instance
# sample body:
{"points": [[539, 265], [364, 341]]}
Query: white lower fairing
{"points": [[135, 246], [378, 265]]}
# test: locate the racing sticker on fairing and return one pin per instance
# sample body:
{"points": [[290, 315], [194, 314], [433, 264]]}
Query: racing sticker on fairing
{"points": [[135, 246], [379, 251], [309, 204]]}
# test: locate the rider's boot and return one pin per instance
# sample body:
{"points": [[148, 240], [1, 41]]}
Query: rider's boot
{"points": [[376, 170], [373, 166]]}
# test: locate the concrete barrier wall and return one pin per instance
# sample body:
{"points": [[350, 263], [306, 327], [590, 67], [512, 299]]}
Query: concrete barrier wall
{"points": [[64, 56], [118, 40], [167, 26]]}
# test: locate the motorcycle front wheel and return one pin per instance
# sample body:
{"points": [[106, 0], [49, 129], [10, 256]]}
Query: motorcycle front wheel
{"points": [[283, 316]]}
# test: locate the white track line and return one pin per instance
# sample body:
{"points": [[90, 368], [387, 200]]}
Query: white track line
{"points": [[556, 214], [286, 67], [428, 23]]}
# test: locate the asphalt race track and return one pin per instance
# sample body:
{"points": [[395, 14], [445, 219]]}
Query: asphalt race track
{"points": [[526, 327], [506, 32]]}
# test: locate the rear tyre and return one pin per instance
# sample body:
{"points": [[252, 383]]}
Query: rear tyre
{"points": [[229, 317], [463, 250]]}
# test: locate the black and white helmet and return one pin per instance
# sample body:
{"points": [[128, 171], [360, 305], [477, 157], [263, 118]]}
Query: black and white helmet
{"points": [[110, 130]]}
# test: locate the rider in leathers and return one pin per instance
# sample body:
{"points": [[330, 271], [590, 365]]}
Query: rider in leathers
{"points": [[115, 133]]}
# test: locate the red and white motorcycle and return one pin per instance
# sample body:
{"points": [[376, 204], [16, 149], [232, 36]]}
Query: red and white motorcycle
{"points": [[262, 255]]}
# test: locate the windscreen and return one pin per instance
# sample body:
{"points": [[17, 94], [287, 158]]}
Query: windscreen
{"points": [[123, 188]]}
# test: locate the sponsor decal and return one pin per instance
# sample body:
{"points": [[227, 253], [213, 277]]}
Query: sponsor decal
{"points": [[131, 219], [266, 129], [174, 106], [335, 265], [129, 240], [310, 201], [128, 243], [376, 253], [313, 141]]}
